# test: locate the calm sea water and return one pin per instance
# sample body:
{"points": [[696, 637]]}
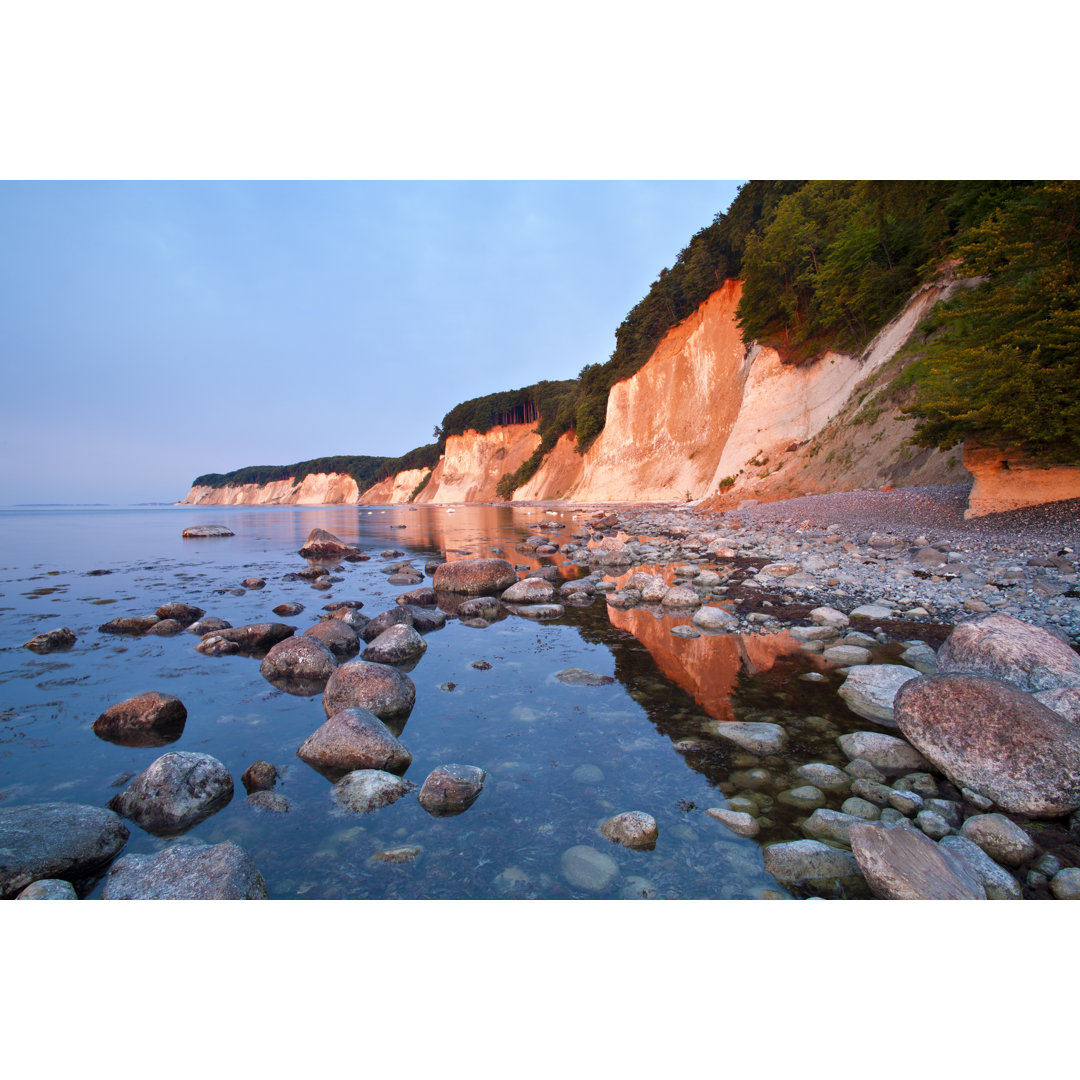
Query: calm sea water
{"points": [[559, 758]]}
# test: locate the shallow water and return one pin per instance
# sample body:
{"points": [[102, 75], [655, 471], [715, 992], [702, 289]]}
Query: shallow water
{"points": [[559, 758]]}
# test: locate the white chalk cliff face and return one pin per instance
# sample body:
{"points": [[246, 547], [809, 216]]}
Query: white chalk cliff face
{"points": [[316, 489], [473, 464], [394, 490]]}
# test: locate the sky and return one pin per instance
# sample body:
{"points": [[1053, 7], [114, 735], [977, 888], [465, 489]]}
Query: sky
{"points": [[154, 331]]}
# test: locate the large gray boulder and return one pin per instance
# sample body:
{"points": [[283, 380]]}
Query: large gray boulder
{"points": [[354, 739], [870, 690], [379, 688], [474, 577], [365, 790], [988, 736], [299, 665], [150, 719], [175, 792], [337, 635], [900, 863], [56, 840], [396, 645], [1001, 647], [187, 872]]}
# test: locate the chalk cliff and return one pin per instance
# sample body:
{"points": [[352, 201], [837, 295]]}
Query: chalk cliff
{"points": [[473, 464], [316, 489], [394, 490]]}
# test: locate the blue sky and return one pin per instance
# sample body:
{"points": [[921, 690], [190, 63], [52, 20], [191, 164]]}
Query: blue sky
{"points": [[150, 332]]}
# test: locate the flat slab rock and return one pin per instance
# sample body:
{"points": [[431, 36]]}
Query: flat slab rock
{"points": [[900, 863], [187, 872], [758, 738], [870, 690], [203, 532], [56, 840], [576, 676], [995, 739]]}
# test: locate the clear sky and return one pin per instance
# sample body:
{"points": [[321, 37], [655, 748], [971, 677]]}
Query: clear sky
{"points": [[150, 332]]}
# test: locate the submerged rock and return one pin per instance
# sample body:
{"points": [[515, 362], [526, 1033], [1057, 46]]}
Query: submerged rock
{"points": [[51, 640], [998, 646], [900, 863], [354, 739], [365, 790], [151, 719], [995, 739], [474, 576], [451, 789], [587, 869], [738, 821], [758, 738], [378, 688], [56, 840], [187, 872], [869, 690], [632, 829], [175, 792], [576, 676]]}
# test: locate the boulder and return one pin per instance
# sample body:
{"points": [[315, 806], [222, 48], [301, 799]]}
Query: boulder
{"points": [[51, 640], [259, 776], [831, 825], [539, 612], [396, 645], [165, 628], [424, 620], [205, 532], [175, 792], [365, 790], [451, 789], [184, 614], [320, 542], [298, 665], [888, 754], [254, 583], [49, 889], [150, 719], [474, 576], [740, 823], [900, 863], [632, 829], [988, 736], [809, 861], [396, 616], [425, 597], [187, 872], [758, 738], [337, 636], [356, 621], [830, 617], [354, 739], [1001, 647], [714, 618], [129, 624], [56, 840], [997, 881], [529, 591], [288, 610], [1003, 840], [869, 690], [680, 596], [254, 637], [481, 607], [847, 655], [209, 624], [376, 687]]}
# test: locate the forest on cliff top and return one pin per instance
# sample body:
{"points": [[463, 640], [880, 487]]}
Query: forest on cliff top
{"points": [[825, 265]]}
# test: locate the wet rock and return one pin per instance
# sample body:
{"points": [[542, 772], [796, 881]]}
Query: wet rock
{"points": [[254, 583], [424, 620], [400, 615], [996, 880], [49, 889], [128, 624], [481, 607], [869, 690], [56, 840], [376, 687], [166, 628], [714, 618], [806, 797], [888, 754], [287, 611], [681, 597], [529, 591], [587, 774], [150, 719], [932, 824], [847, 655], [451, 789], [986, 735], [212, 645], [825, 824], [353, 619], [204, 532], [861, 769], [269, 802], [396, 645], [587, 869], [175, 792], [576, 676], [365, 790], [827, 777], [481, 665], [396, 856], [1000, 647], [337, 636], [921, 657], [655, 592], [187, 872], [354, 739], [51, 640], [632, 829], [259, 776], [474, 576], [1065, 884], [1065, 701], [1003, 840], [343, 605], [320, 543], [907, 802], [539, 612], [901, 863], [254, 637], [758, 738], [859, 807], [740, 823], [184, 614], [813, 633], [301, 660], [872, 791], [419, 597], [809, 861], [208, 625]]}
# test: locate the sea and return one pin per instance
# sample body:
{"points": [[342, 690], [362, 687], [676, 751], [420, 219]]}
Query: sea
{"points": [[559, 758]]}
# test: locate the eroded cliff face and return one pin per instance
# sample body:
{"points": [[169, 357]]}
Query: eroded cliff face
{"points": [[473, 464], [394, 490], [316, 489], [1007, 479]]}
